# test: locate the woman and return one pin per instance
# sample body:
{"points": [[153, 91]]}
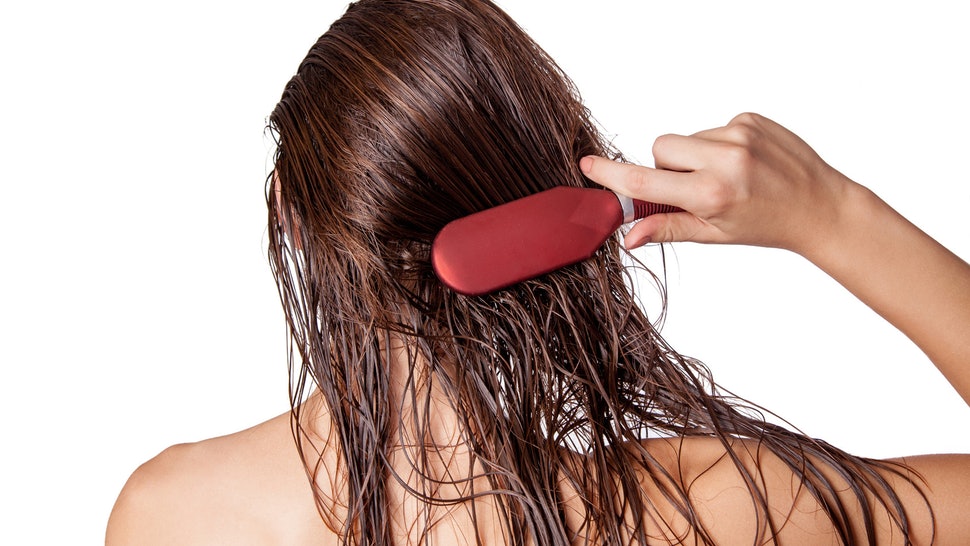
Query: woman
{"points": [[523, 416]]}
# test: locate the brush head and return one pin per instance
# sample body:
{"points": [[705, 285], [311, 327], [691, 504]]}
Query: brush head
{"points": [[524, 239]]}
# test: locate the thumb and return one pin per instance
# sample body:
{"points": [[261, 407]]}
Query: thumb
{"points": [[669, 228]]}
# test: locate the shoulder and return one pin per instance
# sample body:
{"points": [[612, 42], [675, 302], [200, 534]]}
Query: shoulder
{"points": [[245, 488], [721, 481], [157, 504]]}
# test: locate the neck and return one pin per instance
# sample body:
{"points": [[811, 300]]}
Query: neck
{"points": [[420, 412], [427, 456]]}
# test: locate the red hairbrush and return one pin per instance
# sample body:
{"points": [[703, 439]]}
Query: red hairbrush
{"points": [[528, 237]]}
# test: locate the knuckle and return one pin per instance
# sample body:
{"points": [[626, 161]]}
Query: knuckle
{"points": [[739, 159], [743, 134], [717, 196], [745, 130], [636, 178], [670, 234], [746, 118], [661, 144]]}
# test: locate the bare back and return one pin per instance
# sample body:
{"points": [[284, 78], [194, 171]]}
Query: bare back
{"points": [[251, 488]]}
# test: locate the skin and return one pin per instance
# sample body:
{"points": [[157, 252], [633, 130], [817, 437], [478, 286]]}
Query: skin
{"points": [[754, 182], [750, 182]]}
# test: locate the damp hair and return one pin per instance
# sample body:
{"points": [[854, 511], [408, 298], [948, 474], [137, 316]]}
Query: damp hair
{"points": [[405, 115]]}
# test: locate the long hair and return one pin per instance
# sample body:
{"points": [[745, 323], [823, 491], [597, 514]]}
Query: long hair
{"points": [[407, 114]]}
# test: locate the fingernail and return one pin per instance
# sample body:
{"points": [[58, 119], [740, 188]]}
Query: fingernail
{"points": [[585, 164]]}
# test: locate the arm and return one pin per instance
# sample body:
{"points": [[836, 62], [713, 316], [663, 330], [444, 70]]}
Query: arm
{"points": [[754, 182], [908, 278]]}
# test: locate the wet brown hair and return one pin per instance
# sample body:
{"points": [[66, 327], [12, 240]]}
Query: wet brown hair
{"points": [[405, 115]]}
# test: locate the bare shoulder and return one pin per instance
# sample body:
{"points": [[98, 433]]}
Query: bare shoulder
{"points": [[720, 494], [244, 488], [721, 497]]}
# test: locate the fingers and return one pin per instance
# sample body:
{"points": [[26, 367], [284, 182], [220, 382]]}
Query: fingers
{"points": [[747, 182], [697, 151], [657, 186], [676, 153], [654, 185]]}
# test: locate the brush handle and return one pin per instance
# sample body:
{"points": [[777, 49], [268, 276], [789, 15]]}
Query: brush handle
{"points": [[635, 209]]}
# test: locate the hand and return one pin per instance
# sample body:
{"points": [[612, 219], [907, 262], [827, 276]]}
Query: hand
{"points": [[750, 182], [754, 182]]}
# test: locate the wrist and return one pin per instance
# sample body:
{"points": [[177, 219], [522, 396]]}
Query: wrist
{"points": [[850, 221]]}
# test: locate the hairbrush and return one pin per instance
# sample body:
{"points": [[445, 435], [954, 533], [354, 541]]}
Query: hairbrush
{"points": [[523, 239]]}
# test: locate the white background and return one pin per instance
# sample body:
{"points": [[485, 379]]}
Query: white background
{"points": [[136, 301]]}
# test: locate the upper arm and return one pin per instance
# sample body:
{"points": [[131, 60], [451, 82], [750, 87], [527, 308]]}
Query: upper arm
{"points": [[149, 509], [175, 498]]}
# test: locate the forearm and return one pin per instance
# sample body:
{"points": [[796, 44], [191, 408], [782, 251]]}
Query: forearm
{"points": [[905, 276], [754, 182]]}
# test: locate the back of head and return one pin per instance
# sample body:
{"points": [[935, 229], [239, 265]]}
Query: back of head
{"points": [[406, 115]]}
